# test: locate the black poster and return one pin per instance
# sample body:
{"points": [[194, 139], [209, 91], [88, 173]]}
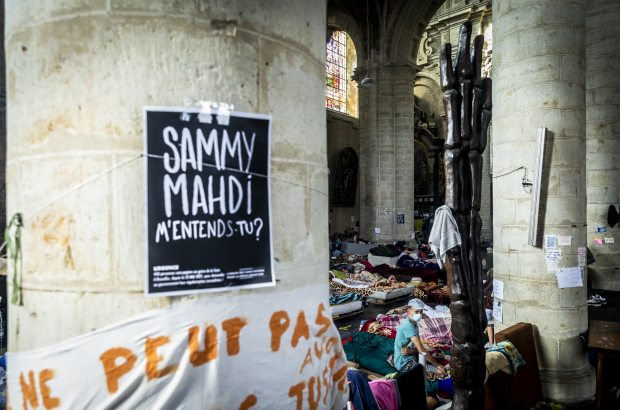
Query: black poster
{"points": [[208, 216]]}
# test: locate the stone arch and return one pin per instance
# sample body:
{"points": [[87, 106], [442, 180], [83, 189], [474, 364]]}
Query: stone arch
{"points": [[340, 19], [408, 28], [429, 75], [429, 98]]}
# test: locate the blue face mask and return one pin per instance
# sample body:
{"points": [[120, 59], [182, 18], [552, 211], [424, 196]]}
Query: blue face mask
{"points": [[417, 318]]}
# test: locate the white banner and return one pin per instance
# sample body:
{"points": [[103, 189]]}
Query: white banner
{"points": [[269, 351]]}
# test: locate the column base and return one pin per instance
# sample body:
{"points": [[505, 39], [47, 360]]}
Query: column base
{"points": [[569, 387]]}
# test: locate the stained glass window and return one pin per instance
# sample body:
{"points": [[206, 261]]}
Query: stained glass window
{"points": [[336, 73]]}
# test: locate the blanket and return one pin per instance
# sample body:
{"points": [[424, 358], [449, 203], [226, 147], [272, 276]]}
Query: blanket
{"points": [[404, 275], [340, 299], [374, 327], [436, 330], [371, 352]]}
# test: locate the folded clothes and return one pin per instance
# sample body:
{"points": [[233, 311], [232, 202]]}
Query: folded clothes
{"points": [[511, 352], [496, 361]]}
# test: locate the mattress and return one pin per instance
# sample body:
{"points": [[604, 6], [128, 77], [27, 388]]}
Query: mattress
{"points": [[393, 294], [346, 308]]}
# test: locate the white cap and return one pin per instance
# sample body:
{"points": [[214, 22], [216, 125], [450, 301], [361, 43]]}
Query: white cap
{"points": [[418, 304]]}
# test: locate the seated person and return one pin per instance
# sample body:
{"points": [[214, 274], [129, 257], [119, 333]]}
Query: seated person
{"points": [[489, 331], [408, 344]]}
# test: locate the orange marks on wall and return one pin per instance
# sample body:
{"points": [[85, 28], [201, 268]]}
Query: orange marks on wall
{"points": [[249, 401], [233, 327], [113, 372], [29, 391], [153, 358], [298, 391], [301, 329], [314, 404], [322, 320], [307, 359], [48, 402], [278, 328], [197, 357]]}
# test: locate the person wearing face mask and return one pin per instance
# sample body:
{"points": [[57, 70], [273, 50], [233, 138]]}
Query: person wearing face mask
{"points": [[408, 344]]}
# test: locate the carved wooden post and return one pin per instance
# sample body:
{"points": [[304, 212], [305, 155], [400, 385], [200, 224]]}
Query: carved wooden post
{"points": [[467, 101]]}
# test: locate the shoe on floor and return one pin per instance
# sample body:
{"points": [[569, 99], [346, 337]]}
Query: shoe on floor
{"points": [[600, 299], [593, 301]]}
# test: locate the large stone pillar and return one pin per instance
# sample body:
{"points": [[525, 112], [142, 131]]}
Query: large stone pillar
{"points": [[386, 154], [539, 81], [79, 73], [603, 137]]}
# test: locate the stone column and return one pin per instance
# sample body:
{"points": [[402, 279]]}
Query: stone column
{"points": [[603, 137], [386, 154], [539, 81], [78, 76]]}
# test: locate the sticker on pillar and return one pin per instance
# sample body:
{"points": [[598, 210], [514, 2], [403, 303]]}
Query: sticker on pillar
{"points": [[564, 240], [207, 202], [400, 218], [550, 241], [598, 241], [377, 230], [601, 229], [498, 310], [609, 239], [570, 278]]}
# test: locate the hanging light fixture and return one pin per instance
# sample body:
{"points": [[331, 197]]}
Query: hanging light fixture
{"points": [[367, 82]]}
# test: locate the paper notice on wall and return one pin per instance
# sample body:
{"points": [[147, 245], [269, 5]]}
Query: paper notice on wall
{"points": [[564, 240], [377, 230], [498, 310], [265, 351], [498, 289], [550, 241], [581, 251], [581, 261], [570, 278], [554, 254], [601, 229], [609, 239], [598, 241]]}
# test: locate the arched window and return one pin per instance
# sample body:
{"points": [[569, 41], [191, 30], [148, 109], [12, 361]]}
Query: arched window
{"points": [[340, 91]]}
